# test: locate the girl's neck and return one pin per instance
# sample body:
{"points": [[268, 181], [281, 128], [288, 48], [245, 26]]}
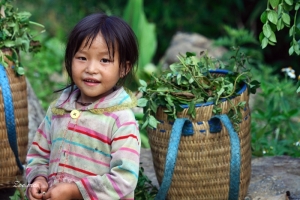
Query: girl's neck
{"points": [[80, 103]]}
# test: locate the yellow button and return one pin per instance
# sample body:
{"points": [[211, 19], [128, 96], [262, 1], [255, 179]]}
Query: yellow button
{"points": [[75, 114]]}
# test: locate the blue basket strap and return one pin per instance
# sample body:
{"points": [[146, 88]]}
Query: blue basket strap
{"points": [[9, 115], [180, 126], [172, 156], [235, 158]]}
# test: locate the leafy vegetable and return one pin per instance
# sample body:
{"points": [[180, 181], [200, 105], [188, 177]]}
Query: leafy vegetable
{"points": [[144, 190], [192, 81], [15, 35]]}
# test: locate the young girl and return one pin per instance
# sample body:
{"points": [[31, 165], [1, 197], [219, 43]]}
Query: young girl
{"points": [[88, 145]]}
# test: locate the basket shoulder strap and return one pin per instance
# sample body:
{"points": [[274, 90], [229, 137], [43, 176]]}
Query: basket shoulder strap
{"points": [[184, 126], [177, 128], [9, 115], [235, 158]]}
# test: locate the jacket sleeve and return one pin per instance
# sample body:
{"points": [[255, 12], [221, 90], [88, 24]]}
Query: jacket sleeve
{"points": [[39, 152], [122, 179]]}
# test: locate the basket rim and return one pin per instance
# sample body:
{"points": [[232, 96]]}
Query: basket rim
{"points": [[218, 71]]}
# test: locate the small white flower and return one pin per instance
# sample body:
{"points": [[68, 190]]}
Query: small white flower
{"points": [[289, 71]]}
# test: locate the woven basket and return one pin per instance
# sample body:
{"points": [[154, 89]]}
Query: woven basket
{"points": [[203, 167], [13, 126]]}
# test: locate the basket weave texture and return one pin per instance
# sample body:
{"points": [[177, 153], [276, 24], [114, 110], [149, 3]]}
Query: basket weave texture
{"points": [[202, 169], [9, 171]]}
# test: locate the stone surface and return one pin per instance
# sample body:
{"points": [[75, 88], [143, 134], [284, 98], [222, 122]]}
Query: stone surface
{"points": [[189, 42], [35, 113], [271, 177]]}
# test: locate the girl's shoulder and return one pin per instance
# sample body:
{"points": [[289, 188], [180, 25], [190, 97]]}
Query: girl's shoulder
{"points": [[121, 101]]}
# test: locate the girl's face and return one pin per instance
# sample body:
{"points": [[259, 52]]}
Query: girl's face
{"points": [[93, 71]]}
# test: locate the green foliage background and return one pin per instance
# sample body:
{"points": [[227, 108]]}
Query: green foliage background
{"points": [[275, 118], [275, 121]]}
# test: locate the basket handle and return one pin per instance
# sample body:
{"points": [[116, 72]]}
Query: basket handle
{"points": [[9, 115], [184, 126]]}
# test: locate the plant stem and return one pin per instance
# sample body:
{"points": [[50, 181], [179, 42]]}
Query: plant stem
{"points": [[294, 30], [182, 62], [37, 24], [234, 86]]}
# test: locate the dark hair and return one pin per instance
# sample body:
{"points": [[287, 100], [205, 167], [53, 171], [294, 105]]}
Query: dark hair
{"points": [[117, 34]]}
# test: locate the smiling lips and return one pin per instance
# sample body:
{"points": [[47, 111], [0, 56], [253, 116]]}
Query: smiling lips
{"points": [[91, 81]]}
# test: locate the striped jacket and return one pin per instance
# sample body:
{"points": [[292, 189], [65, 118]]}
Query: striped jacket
{"points": [[98, 147]]}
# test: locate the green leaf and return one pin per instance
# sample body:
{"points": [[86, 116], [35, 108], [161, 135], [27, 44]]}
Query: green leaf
{"points": [[23, 16], [190, 54], [144, 140], [289, 2], [271, 43], [272, 17], [191, 110], [291, 31], [9, 43], [138, 116], [191, 80], [279, 9], [169, 100], [162, 89], [15, 196], [143, 83], [20, 71], [145, 32], [272, 38], [153, 107], [286, 19], [298, 90], [264, 17], [178, 78], [146, 123], [153, 122], [291, 50], [296, 49], [280, 25], [297, 6], [175, 67], [292, 113], [142, 102], [261, 37], [264, 43], [274, 3], [267, 30], [220, 92]]}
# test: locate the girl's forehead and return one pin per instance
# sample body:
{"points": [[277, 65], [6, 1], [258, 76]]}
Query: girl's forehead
{"points": [[97, 41]]}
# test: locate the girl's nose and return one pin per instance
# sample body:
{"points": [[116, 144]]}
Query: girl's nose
{"points": [[92, 68]]}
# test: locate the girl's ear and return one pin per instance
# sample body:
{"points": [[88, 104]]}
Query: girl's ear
{"points": [[126, 69]]}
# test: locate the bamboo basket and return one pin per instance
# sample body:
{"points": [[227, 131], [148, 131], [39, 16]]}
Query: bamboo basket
{"points": [[202, 169], [12, 156]]}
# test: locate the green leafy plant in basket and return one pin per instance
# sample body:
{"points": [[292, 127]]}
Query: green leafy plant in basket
{"points": [[16, 34], [191, 81]]}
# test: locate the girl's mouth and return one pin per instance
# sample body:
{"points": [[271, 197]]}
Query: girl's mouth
{"points": [[91, 81]]}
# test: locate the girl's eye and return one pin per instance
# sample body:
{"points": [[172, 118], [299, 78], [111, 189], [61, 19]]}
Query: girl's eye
{"points": [[81, 58], [104, 60]]}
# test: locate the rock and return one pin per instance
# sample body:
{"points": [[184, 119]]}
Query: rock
{"points": [[147, 163], [272, 176], [35, 113], [189, 42], [277, 197]]}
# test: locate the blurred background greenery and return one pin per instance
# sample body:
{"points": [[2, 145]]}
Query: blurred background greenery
{"points": [[275, 114]]}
